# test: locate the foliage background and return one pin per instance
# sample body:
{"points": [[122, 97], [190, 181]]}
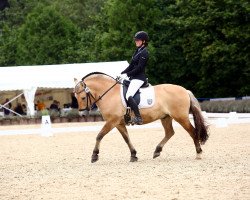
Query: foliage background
{"points": [[201, 45]]}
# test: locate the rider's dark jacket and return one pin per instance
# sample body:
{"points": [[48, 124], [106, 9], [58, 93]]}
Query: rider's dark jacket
{"points": [[137, 66]]}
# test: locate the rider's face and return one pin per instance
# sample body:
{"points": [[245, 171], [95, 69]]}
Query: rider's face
{"points": [[138, 43]]}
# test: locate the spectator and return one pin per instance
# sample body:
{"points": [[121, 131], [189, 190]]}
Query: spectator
{"points": [[40, 106], [24, 108], [74, 103], [9, 105], [55, 105], [19, 109]]}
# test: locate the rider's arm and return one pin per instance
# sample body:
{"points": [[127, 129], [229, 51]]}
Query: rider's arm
{"points": [[143, 58]]}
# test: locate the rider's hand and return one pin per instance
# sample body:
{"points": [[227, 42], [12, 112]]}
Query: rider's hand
{"points": [[122, 77]]}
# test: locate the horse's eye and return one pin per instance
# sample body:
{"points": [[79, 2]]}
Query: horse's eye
{"points": [[83, 98]]}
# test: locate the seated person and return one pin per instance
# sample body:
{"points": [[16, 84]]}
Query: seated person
{"points": [[74, 103], [9, 105], [24, 108], [40, 105], [19, 109], [55, 105]]}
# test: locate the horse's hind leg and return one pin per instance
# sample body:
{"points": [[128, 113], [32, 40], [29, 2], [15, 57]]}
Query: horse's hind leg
{"points": [[169, 132], [105, 129], [123, 130], [186, 124]]}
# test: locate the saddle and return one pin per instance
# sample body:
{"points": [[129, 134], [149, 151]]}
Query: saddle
{"points": [[144, 97], [137, 94]]}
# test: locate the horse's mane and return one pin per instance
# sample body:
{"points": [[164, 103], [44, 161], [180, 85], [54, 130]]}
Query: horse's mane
{"points": [[96, 73]]}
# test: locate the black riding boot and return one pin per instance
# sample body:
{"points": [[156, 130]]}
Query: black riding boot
{"points": [[133, 105]]}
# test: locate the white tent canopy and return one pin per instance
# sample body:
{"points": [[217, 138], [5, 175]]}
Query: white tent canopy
{"points": [[29, 78]]}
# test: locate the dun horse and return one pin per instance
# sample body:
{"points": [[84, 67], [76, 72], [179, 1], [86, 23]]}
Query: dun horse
{"points": [[171, 102]]}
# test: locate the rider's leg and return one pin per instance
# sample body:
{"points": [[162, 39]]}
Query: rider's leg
{"points": [[137, 119], [133, 87]]}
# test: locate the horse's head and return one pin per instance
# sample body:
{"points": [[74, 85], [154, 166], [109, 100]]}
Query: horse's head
{"points": [[83, 96], [100, 84]]}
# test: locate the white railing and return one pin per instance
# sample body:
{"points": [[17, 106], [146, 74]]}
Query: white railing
{"points": [[224, 119], [223, 115]]}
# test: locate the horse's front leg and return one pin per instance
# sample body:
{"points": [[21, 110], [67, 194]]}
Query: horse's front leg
{"points": [[123, 130], [105, 129], [169, 132]]}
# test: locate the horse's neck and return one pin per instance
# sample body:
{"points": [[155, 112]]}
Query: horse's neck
{"points": [[104, 91], [98, 87]]}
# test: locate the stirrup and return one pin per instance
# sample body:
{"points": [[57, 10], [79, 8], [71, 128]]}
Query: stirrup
{"points": [[137, 121]]}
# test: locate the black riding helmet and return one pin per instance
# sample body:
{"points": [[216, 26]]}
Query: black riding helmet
{"points": [[142, 35]]}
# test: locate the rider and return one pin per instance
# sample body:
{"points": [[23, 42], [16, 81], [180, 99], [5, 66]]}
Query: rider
{"points": [[136, 72]]}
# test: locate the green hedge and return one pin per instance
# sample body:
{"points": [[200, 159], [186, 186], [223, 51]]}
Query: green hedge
{"points": [[240, 106]]}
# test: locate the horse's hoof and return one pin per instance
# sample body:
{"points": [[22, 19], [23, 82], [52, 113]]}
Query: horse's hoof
{"points": [[94, 159], [198, 156], [133, 159], [157, 151], [156, 155]]}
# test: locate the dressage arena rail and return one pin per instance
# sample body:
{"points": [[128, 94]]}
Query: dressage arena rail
{"points": [[226, 115], [217, 119]]}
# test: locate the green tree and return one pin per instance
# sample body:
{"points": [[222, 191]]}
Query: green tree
{"points": [[81, 13], [117, 24], [10, 20], [203, 45], [8, 47], [47, 37]]}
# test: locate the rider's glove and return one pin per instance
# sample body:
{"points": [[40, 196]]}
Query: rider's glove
{"points": [[122, 77]]}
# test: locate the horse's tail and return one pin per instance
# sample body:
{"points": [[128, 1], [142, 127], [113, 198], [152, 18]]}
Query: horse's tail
{"points": [[201, 127]]}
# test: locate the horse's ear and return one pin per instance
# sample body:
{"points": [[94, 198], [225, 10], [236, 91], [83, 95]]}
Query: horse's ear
{"points": [[76, 81]]}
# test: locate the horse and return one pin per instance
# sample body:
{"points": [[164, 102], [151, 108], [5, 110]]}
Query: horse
{"points": [[172, 102]]}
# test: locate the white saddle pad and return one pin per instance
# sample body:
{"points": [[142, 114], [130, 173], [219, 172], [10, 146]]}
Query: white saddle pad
{"points": [[147, 97]]}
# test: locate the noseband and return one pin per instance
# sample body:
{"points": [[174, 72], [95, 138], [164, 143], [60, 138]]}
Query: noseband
{"points": [[89, 94]]}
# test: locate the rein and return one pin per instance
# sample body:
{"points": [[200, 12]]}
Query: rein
{"points": [[100, 97], [89, 95]]}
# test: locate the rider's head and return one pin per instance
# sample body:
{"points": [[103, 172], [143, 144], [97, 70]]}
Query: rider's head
{"points": [[143, 37]]}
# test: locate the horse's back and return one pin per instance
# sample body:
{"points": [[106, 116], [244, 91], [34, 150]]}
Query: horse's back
{"points": [[171, 90]]}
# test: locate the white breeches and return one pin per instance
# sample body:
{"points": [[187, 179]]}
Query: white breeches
{"points": [[134, 85]]}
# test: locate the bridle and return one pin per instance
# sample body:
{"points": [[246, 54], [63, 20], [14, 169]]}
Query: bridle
{"points": [[89, 95]]}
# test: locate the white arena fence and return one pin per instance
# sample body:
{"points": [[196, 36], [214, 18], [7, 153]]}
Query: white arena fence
{"points": [[224, 119], [218, 119]]}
